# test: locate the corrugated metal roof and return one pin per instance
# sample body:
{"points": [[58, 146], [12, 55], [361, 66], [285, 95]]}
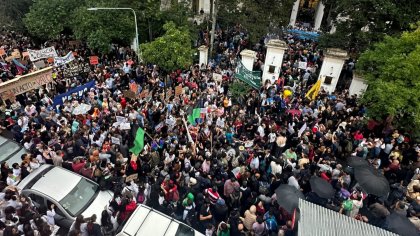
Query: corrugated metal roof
{"points": [[319, 221]]}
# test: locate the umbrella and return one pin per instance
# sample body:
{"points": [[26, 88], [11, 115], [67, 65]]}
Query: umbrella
{"points": [[288, 197], [399, 224], [81, 109], [355, 161], [372, 181], [321, 187]]}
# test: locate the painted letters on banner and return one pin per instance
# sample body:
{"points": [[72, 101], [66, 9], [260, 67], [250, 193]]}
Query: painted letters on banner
{"points": [[79, 91], [59, 61], [25, 83], [35, 55]]}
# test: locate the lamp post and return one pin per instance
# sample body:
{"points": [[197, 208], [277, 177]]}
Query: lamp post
{"points": [[135, 22]]}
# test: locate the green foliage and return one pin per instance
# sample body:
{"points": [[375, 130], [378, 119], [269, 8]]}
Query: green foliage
{"points": [[392, 70], [47, 19], [381, 17], [259, 17], [170, 51], [12, 12]]}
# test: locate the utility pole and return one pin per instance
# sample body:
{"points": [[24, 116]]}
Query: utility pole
{"points": [[213, 26]]}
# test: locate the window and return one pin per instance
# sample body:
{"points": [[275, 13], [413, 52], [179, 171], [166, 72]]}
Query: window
{"points": [[37, 200], [328, 79], [79, 197], [271, 69]]}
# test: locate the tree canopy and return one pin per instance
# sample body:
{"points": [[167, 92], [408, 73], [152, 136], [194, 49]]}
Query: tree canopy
{"points": [[392, 70], [259, 17], [368, 21], [48, 19], [171, 51]]}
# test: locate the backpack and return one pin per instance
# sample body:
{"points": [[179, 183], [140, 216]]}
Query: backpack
{"points": [[140, 198]]}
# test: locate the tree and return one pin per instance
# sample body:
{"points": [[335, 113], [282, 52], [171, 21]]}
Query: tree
{"points": [[172, 50], [392, 70], [368, 21], [258, 17], [12, 12], [47, 19]]}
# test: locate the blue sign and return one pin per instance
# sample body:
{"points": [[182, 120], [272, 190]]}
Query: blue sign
{"points": [[79, 91]]}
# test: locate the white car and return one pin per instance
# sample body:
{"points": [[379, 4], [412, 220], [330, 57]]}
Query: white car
{"points": [[72, 194], [148, 221], [11, 152]]}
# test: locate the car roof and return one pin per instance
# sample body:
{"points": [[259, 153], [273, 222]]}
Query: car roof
{"points": [[11, 151], [147, 221], [56, 182]]}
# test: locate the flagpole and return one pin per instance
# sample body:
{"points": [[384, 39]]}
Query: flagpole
{"points": [[188, 131]]}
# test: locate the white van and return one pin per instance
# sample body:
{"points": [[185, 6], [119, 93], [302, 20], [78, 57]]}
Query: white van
{"points": [[148, 221]]}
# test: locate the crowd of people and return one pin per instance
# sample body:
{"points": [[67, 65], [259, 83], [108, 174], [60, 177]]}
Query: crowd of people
{"points": [[218, 173]]}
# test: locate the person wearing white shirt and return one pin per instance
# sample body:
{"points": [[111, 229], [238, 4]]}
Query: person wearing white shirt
{"points": [[11, 179], [50, 215], [276, 167], [293, 181]]}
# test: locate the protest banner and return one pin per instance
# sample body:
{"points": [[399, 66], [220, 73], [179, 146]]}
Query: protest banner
{"points": [[35, 55], [79, 91], [59, 61], [25, 83], [178, 90], [94, 60], [2, 52]]}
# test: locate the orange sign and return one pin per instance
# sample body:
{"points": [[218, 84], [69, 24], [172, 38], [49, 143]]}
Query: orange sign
{"points": [[75, 54], [94, 60], [2, 52], [50, 60]]}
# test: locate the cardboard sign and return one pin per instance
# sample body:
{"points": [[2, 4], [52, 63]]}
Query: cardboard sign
{"points": [[2, 52], [25, 83], [94, 60], [129, 94], [9, 59], [115, 140], [74, 42], [144, 93], [303, 65], [217, 77], [178, 90], [131, 177], [39, 64]]}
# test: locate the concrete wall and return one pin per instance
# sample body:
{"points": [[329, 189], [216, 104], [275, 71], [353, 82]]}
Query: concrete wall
{"points": [[331, 67], [358, 86]]}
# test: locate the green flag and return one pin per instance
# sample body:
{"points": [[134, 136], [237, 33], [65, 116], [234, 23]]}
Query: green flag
{"points": [[195, 115], [138, 142]]}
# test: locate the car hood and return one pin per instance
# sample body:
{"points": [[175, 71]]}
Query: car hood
{"points": [[98, 205]]}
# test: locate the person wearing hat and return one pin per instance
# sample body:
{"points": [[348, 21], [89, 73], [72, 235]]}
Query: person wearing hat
{"points": [[250, 217]]}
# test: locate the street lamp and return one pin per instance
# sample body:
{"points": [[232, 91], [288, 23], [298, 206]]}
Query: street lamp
{"points": [[135, 21]]}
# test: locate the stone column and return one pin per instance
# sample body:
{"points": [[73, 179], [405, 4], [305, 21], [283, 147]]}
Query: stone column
{"points": [[248, 58], [204, 54], [331, 68], [358, 85], [319, 14], [273, 60], [295, 10]]}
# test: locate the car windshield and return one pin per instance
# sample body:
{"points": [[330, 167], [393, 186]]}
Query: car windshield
{"points": [[79, 197], [7, 148]]}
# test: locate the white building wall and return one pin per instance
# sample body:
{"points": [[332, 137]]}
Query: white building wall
{"points": [[274, 57], [331, 67], [358, 86]]}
